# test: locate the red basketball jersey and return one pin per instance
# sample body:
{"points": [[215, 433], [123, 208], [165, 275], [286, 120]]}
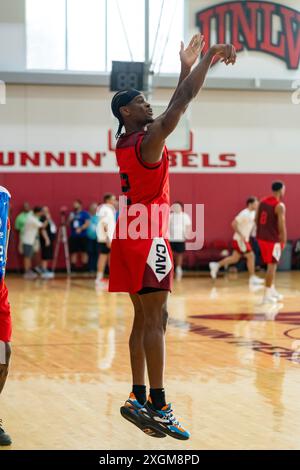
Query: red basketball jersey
{"points": [[267, 228], [144, 183], [141, 256]]}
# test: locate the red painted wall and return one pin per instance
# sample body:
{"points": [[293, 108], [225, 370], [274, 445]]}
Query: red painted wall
{"points": [[223, 196]]}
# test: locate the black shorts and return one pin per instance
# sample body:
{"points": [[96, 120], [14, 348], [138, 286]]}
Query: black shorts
{"points": [[150, 290], [178, 247], [47, 252], [103, 248], [78, 244]]}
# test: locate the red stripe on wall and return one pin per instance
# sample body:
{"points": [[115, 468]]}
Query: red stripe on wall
{"points": [[223, 195]]}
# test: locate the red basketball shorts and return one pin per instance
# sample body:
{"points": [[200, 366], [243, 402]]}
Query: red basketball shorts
{"points": [[241, 247], [270, 251], [5, 317], [139, 264]]}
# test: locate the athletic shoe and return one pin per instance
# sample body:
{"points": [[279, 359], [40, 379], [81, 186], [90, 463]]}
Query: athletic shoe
{"points": [[276, 294], [130, 411], [256, 281], [38, 270], [178, 273], [5, 439], [163, 420], [101, 284], [255, 288], [47, 275], [214, 268], [30, 275]]}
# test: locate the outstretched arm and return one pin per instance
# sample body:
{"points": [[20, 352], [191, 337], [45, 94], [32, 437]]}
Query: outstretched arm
{"points": [[188, 58], [154, 140]]}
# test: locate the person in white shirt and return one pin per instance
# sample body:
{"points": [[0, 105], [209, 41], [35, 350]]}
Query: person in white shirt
{"points": [[243, 225], [180, 227], [105, 232], [29, 238]]}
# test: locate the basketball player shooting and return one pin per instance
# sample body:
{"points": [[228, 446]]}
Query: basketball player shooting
{"points": [[142, 266], [5, 317]]}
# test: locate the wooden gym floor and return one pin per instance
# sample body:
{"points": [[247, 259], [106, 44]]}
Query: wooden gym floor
{"points": [[233, 366]]}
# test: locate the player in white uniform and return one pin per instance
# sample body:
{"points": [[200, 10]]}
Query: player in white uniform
{"points": [[243, 225]]}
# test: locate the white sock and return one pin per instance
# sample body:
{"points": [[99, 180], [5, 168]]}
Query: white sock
{"points": [[269, 291], [99, 276]]}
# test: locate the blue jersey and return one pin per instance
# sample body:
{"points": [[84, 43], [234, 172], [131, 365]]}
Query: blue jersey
{"points": [[77, 221], [4, 209], [92, 228]]}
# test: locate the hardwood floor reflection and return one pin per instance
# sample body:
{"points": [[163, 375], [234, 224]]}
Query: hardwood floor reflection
{"points": [[233, 366]]}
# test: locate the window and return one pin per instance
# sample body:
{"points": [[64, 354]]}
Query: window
{"points": [[166, 32], [87, 35], [126, 31], [45, 28]]}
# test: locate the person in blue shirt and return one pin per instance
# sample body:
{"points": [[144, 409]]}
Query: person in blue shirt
{"points": [[79, 221], [92, 238]]}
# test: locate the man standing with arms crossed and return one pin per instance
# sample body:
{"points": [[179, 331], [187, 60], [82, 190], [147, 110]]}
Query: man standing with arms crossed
{"points": [[143, 266]]}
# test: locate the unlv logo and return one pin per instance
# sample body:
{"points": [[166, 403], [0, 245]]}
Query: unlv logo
{"points": [[252, 26]]}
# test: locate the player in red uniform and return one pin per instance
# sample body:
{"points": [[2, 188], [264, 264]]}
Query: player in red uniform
{"points": [[271, 236], [141, 259], [5, 318]]}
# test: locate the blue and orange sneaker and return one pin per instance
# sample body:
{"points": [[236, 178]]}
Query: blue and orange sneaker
{"points": [[163, 420], [130, 411], [5, 439]]}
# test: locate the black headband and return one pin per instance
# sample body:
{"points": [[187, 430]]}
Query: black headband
{"points": [[122, 98]]}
